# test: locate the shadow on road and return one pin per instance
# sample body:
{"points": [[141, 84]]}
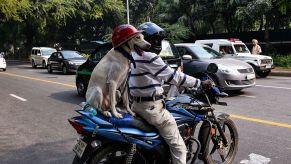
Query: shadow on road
{"points": [[51, 152], [68, 96]]}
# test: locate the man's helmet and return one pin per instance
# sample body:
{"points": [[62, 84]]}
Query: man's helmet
{"points": [[123, 33], [154, 35]]}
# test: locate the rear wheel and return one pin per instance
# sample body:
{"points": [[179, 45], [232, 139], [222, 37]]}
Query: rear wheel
{"points": [[116, 154], [219, 153], [4, 69], [44, 64], [33, 64], [81, 87]]}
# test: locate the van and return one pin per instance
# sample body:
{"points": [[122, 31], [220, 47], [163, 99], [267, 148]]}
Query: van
{"points": [[234, 48]]}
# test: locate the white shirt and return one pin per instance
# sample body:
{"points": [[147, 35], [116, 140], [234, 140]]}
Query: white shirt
{"points": [[151, 72]]}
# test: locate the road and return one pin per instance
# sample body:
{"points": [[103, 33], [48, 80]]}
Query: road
{"points": [[35, 106]]}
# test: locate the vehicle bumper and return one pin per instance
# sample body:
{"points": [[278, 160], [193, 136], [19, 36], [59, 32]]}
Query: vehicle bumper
{"points": [[264, 68], [73, 68], [236, 82], [3, 66]]}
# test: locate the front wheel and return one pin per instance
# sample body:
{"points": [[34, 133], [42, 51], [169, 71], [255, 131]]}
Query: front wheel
{"points": [[264, 74], [65, 70], [217, 152]]}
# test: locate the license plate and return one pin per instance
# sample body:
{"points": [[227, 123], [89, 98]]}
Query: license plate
{"points": [[79, 148], [268, 66], [251, 76]]}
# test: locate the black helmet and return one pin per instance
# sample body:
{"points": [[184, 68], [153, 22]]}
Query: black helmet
{"points": [[154, 35]]}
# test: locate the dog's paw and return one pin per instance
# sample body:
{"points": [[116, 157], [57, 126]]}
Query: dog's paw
{"points": [[117, 115], [132, 113], [107, 113]]}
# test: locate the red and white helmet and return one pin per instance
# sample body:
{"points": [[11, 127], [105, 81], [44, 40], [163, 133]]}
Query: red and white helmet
{"points": [[123, 33]]}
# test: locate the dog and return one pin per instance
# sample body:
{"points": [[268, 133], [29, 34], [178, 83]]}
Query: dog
{"points": [[111, 74]]}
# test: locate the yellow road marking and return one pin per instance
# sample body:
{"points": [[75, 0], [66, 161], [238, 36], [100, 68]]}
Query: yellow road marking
{"points": [[260, 121], [232, 115], [37, 79]]}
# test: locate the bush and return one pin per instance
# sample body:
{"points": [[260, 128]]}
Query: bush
{"points": [[282, 60]]}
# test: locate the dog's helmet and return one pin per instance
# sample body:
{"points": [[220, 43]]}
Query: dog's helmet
{"points": [[123, 33], [154, 34]]}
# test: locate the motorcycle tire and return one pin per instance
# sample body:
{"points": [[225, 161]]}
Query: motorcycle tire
{"points": [[213, 151], [116, 154]]}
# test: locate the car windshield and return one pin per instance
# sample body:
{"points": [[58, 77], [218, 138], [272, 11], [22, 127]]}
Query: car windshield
{"points": [[71, 54], [47, 52], [240, 48], [205, 52], [168, 50]]}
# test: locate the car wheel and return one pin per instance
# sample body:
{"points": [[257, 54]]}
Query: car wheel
{"points": [[81, 87], [65, 70], [43, 64], [33, 64], [49, 69], [263, 74], [4, 69]]}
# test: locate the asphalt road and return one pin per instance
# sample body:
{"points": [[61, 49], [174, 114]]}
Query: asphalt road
{"points": [[35, 106]]}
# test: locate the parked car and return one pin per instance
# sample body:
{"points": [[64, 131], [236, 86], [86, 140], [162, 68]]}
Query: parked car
{"points": [[234, 48], [39, 56], [65, 61], [232, 74], [169, 54], [2, 62]]}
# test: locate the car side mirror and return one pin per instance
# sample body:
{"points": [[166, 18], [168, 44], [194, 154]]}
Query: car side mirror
{"points": [[187, 57]]}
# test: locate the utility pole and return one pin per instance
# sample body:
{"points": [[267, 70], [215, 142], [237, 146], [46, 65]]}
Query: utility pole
{"points": [[127, 6]]}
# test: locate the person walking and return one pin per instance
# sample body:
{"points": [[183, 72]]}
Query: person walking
{"points": [[256, 50]]}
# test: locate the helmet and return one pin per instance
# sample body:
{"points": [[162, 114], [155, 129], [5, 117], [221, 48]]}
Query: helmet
{"points": [[154, 35], [123, 33]]}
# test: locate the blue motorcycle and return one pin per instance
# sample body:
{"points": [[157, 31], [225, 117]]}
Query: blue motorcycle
{"points": [[131, 140]]}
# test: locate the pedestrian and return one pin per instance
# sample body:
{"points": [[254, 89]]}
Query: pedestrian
{"points": [[256, 50], [146, 90]]}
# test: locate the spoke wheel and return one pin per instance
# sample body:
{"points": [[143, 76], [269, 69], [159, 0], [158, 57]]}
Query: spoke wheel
{"points": [[221, 153]]}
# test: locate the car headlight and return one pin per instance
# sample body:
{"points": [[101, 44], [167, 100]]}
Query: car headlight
{"points": [[225, 69], [258, 61]]}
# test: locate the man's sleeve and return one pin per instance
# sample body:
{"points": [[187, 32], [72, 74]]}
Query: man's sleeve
{"points": [[162, 71]]}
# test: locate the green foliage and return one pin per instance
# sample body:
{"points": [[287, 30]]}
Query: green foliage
{"points": [[11, 9], [176, 32], [85, 55], [282, 60]]}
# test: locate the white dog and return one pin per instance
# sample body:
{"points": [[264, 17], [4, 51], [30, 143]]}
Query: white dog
{"points": [[110, 74]]}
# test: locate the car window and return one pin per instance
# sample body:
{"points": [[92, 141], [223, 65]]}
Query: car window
{"points": [[168, 50], [226, 49], [47, 52], [241, 48], [204, 52], [100, 53], [54, 55], [32, 52], [71, 54]]}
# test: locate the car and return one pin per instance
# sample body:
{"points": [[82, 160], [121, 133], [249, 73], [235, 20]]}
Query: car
{"points": [[65, 61], [40, 55], [235, 48], [232, 74], [169, 54], [2, 62]]}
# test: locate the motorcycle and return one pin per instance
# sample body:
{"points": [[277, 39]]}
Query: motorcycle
{"points": [[131, 140]]}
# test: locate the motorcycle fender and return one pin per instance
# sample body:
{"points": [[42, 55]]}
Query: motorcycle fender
{"points": [[222, 116]]}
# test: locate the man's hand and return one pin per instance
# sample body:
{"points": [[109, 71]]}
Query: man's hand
{"points": [[206, 84]]}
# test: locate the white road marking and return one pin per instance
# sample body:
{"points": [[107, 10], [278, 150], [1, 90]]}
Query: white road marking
{"points": [[247, 96], [20, 98], [256, 159], [265, 86], [278, 77]]}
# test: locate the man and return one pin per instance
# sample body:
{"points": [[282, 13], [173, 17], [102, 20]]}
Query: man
{"points": [[256, 50], [145, 88]]}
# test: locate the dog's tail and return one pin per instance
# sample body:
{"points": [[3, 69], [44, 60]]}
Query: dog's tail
{"points": [[94, 97]]}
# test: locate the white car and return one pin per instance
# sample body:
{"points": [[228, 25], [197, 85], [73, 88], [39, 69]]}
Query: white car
{"points": [[2, 62], [234, 48], [40, 55]]}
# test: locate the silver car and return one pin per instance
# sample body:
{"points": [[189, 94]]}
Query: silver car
{"points": [[232, 74]]}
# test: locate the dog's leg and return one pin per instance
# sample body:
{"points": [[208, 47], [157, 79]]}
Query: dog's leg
{"points": [[126, 101], [94, 97], [112, 86]]}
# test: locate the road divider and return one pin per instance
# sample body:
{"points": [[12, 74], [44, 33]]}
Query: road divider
{"points": [[19, 98], [260, 121], [37, 79]]}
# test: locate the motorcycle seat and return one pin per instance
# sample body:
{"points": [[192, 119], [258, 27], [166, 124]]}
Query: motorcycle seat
{"points": [[134, 122]]}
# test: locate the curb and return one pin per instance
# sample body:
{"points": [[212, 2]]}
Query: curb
{"points": [[280, 73]]}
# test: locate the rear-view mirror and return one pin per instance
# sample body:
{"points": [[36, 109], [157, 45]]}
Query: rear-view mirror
{"points": [[187, 57]]}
